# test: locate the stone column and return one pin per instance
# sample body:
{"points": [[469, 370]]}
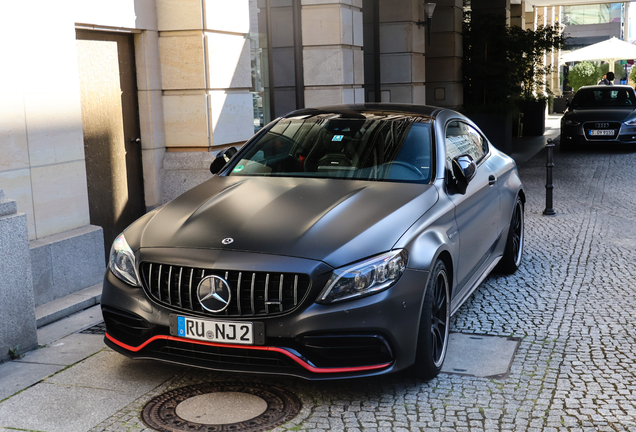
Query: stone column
{"points": [[531, 19], [402, 46], [444, 56], [149, 93], [551, 18], [333, 60], [205, 72], [491, 7], [17, 326], [204, 52], [518, 15]]}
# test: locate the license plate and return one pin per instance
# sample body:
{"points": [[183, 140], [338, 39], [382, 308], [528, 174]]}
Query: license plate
{"points": [[219, 331], [601, 132]]}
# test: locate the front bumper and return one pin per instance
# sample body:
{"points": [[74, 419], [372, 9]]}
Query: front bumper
{"points": [[577, 135], [362, 337]]}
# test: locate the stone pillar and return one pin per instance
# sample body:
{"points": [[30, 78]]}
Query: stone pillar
{"points": [[531, 19], [152, 133], [552, 58], [205, 72], [17, 326], [518, 15], [333, 59], [402, 46], [491, 7], [444, 56], [625, 29]]}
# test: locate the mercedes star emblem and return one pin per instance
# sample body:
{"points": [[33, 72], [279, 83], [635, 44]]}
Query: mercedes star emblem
{"points": [[214, 294]]}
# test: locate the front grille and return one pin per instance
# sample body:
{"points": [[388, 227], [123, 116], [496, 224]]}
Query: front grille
{"points": [[253, 293], [614, 126]]}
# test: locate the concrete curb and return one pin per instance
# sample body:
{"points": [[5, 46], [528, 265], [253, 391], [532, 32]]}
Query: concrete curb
{"points": [[68, 305]]}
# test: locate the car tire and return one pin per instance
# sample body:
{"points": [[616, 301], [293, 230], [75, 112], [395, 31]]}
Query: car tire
{"points": [[514, 243], [432, 339]]}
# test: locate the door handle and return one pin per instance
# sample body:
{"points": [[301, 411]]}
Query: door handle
{"points": [[492, 180]]}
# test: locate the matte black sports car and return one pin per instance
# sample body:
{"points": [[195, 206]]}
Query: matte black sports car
{"points": [[336, 243], [600, 114]]}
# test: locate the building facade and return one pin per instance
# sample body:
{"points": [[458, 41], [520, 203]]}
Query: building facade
{"points": [[109, 108]]}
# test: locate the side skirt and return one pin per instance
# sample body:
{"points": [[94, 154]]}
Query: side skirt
{"points": [[457, 302]]}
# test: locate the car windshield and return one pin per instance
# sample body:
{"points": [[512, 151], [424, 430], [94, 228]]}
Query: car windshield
{"points": [[605, 97], [374, 149]]}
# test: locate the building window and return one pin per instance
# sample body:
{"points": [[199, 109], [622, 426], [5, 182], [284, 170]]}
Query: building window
{"points": [[592, 14]]}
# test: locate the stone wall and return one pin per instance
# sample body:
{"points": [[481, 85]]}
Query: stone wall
{"points": [[17, 312], [65, 263]]}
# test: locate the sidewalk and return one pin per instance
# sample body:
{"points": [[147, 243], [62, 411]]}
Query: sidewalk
{"points": [[524, 148]]}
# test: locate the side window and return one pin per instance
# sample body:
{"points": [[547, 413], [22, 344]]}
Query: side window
{"points": [[462, 138]]}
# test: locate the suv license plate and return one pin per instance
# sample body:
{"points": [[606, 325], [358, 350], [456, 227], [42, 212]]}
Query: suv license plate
{"points": [[601, 132], [228, 332]]}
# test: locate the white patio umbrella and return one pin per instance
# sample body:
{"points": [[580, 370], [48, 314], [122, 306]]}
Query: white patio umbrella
{"points": [[610, 51]]}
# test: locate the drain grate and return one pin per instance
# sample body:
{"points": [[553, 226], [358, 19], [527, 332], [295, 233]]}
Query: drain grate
{"points": [[97, 329], [160, 413]]}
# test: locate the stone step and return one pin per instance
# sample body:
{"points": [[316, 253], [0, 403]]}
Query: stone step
{"points": [[68, 305]]}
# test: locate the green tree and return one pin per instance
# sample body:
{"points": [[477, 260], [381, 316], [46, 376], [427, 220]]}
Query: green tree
{"points": [[526, 51], [619, 72], [583, 74]]}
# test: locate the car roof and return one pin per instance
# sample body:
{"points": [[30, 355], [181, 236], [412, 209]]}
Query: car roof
{"points": [[362, 110], [603, 86]]}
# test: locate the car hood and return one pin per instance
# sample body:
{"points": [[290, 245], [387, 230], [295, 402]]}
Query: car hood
{"points": [[334, 221], [605, 114]]}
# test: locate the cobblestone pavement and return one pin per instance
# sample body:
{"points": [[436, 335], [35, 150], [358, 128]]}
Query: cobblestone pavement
{"points": [[572, 303]]}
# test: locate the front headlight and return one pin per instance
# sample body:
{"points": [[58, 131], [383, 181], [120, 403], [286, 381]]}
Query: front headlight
{"points": [[631, 122], [122, 261], [572, 123], [364, 278]]}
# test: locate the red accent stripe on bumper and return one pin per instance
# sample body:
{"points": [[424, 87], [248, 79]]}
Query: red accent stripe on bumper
{"points": [[250, 347]]}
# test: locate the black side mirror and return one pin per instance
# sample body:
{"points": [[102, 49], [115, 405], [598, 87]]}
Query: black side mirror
{"points": [[222, 159], [567, 102], [464, 169]]}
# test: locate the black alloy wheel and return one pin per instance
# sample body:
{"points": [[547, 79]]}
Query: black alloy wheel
{"points": [[434, 325], [513, 253]]}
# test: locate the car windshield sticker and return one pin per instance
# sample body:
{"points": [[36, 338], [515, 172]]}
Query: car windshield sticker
{"points": [[337, 138], [239, 168]]}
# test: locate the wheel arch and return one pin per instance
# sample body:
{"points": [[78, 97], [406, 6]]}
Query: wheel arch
{"points": [[444, 254], [522, 195], [446, 258]]}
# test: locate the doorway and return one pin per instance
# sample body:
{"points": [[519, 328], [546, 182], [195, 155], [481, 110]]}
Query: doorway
{"points": [[110, 119]]}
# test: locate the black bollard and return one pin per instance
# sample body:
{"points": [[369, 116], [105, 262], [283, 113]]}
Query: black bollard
{"points": [[549, 211]]}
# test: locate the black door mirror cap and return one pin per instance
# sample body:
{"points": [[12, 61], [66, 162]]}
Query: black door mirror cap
{"points": [[222, 158], [464, 168]]}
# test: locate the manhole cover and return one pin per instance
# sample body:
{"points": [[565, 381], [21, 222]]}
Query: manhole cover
{"points": [[226, 406]]}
